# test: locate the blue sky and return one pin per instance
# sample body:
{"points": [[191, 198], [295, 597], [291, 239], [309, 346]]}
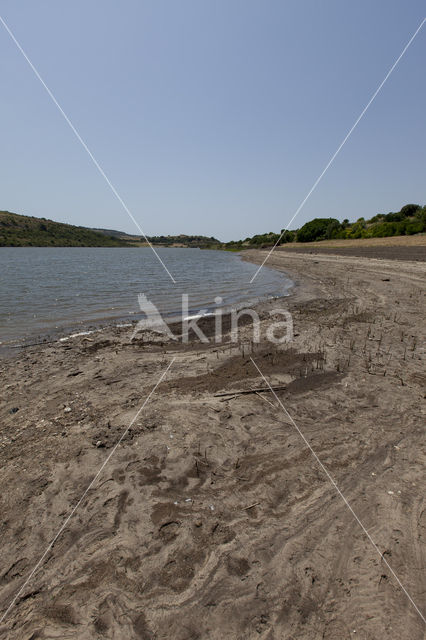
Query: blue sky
{"points": [[211, 117]]}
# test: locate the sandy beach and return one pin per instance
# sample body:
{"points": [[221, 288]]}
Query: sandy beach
{"points": [[213, 518]]}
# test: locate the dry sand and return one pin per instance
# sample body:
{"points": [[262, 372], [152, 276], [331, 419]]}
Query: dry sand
{"points": [[213, 519]]}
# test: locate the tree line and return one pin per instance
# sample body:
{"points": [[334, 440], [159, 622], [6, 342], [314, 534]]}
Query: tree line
{"points": [[411, 219]]}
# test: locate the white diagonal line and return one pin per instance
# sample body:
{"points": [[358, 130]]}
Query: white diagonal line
{"points": [[333, 157], [333, 482], [103, 465], [86, 148]]}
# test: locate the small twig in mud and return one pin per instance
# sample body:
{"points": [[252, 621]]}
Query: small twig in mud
{"points": [[251, 506]]}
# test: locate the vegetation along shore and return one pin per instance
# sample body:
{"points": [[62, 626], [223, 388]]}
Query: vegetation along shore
{"points": [[27, 231]]}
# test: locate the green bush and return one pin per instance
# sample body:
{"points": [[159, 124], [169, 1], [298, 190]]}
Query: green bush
{"points": [[357, 230], [410, 210], [318, 229], [287, 236]]}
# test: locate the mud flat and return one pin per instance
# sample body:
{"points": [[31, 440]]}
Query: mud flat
{"points": [[213, 519], [410, 253], [411, 248]]}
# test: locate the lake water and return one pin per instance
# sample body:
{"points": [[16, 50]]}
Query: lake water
{"points": [[45, 290]]}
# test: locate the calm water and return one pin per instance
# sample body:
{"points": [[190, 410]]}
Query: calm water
{"points": [[43, 290]]}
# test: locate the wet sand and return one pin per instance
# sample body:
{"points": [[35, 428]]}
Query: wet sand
{"points": [[213, 519]]}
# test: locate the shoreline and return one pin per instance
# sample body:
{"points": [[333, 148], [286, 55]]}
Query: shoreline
{"points": [[375, 248], [213, 518], [51, 321], [89, 327]]}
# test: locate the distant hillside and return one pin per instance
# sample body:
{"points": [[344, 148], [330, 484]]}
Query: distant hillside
{"points": [[26, 231], [118, 234], [202, 242]]}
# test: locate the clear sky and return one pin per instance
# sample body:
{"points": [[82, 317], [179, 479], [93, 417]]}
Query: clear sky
{"points": [[211, 117]]}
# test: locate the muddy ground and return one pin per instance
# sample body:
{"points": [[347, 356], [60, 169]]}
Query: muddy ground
{"points": [[410, 253], [212, 518]]}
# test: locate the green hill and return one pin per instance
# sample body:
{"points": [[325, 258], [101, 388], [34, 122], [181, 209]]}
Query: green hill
{"points": [[26, 231], [410, 220], [201, 242]]}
